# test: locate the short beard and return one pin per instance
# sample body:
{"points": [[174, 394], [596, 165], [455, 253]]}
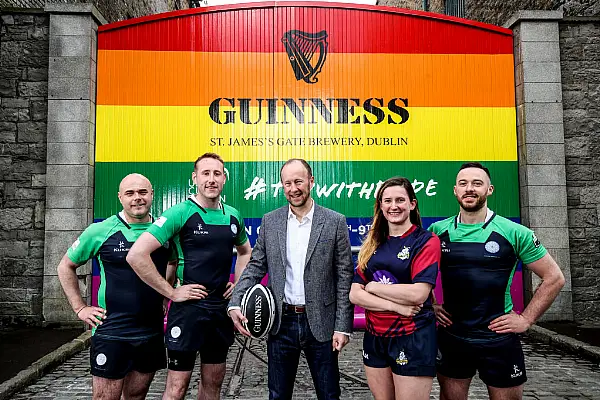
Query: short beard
{"points": [[475, 207]]}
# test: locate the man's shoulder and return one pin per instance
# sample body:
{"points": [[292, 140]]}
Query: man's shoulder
{"points": [[328, 213], [440, 226], [507, 227], [229, 210], [110, 223], [278, 212]]}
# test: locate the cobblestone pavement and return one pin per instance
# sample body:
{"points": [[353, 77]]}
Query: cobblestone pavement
{"points": [[552, 375]]}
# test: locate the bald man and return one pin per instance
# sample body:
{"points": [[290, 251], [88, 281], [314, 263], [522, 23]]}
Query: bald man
{"points": [[127, 327]]}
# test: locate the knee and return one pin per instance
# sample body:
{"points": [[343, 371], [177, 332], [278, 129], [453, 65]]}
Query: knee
{"points": [[175, 391], [213, 381]]}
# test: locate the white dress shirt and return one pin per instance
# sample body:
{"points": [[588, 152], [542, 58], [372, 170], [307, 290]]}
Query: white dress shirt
{"points": [[298, 234]]}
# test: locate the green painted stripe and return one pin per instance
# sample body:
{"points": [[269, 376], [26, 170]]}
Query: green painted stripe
{"points": [[172, 184]]}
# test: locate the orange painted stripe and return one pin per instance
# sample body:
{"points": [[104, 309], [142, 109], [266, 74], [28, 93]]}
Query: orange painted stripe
{"points": [[195, 79]]}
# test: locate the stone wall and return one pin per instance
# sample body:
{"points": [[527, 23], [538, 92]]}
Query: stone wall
{"points": [[580, 65], [432, 5], [23, 112]]}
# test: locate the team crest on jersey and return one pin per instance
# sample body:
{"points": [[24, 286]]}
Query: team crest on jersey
{"points": [[101, 359], [401, 359], [404, 254], [492, 247], [234, 229], [175, 332]]}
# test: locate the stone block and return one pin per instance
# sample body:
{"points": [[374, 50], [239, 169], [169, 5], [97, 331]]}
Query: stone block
{"points": [[33, 89], [546, 196], [15, 308], [545, 153], [70, 132], [68, 153], [39, 111], [30, 193], [24, 115], [38, 180], [29, 282], [70, 175], [583, 217], [69, 197], [31, 132], [70, 24], [531, 51], [70, 46], [542, 92], [55, 246], [537, 31], [561, 308], [7, 136], [590, 194], [37, 74], [69, 67], [15, 103], [54, 290], [9, 114], [12, 294], [553, 238], [553, 175], [542, 113], [579, 172], [548, 217], [16, 218], [58, 310], [58, 219], [69, 110], [70, 89]]}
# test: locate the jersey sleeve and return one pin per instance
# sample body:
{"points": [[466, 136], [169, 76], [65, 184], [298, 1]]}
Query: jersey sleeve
{"points": [[87, 244], [241, 236], [425, 265], [359, 277], [528, 247], [168, 225]]}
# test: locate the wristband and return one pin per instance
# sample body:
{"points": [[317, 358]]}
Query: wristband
{"points": [[78, 311]]}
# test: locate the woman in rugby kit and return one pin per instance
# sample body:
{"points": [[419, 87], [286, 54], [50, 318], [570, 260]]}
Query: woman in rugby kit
{"points": [[397, 270]]}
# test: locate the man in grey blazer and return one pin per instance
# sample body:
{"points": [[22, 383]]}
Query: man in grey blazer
{"points": [[305, 249]]}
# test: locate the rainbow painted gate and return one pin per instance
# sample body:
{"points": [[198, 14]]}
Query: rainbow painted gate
{"points": [[363, 93]]}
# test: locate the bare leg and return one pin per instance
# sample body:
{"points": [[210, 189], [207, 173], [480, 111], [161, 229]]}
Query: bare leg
{"points": [[511, 393], [211, 380], [413, 387], [106, 389], [453, 389], [177, 384], [380, 382], [136, 385]]}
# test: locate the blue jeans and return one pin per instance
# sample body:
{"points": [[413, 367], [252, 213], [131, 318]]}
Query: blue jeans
{"points": [[284, 349]]}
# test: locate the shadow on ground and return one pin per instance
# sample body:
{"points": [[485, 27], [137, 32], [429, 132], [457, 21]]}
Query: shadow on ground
{"points": [[588, 332], [21, 347]]}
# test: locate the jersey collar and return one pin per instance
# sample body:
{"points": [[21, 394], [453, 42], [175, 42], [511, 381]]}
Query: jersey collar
{"points": [[193, 199], [121, 217], [489, 216]]}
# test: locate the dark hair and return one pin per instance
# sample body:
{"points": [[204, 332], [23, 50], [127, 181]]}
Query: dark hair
{"points": [[214, 156], [379, 227], [475, 165], [301, 161]]}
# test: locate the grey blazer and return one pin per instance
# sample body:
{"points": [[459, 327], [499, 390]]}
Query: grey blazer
{"points": [[328, 270]]}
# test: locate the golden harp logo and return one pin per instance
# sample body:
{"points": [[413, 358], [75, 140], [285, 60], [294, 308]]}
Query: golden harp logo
{"points": [[307, 53]]}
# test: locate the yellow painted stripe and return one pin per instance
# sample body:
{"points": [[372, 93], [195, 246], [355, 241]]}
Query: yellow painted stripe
{"points": [[179, 134]]}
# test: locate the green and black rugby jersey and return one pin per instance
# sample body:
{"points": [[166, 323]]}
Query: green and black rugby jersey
{"points": [[204, 239], [133, 309], [477, 267]]}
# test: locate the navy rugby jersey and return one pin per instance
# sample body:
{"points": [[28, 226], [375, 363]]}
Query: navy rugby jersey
{"points": [[133, 309], [204, 238], [411, 258], [478, 264]]}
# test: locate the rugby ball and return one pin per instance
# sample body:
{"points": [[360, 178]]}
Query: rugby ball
{"points": [[258, 306]]}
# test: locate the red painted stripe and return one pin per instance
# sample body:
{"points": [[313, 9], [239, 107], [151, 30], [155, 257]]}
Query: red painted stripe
{"points": [[259, 28]]}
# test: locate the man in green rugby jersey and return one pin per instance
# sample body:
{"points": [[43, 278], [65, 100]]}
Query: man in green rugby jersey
{"points": [[478, 327], [205, 231], [127, 343]]}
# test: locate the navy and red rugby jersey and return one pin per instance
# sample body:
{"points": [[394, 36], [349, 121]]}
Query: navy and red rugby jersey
{"points": [[411, 258]]}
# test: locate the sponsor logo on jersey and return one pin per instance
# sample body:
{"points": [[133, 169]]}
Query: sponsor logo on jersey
{"points": [[404, 254], [384, 277], [121, 247], [101, 359], [234, 229], [160, 222], [401, 359], [536, 241], [516, 372], [175, 332], [200, 230], [445, 248], [492, 247]]}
